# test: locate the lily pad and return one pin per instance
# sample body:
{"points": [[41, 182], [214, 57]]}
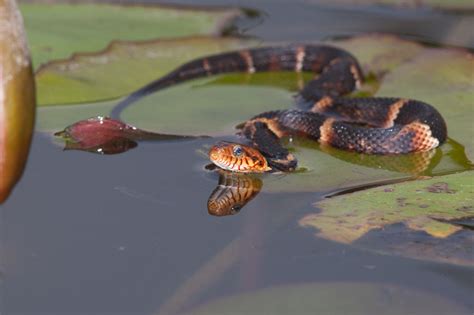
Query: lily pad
{"points": [[122, 68], [333, 170], [426, 206], [17, 97], [379, 54], [57, 30], [333, 298]]}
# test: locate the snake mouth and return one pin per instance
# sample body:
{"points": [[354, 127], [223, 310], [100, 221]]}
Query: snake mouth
{"points": [[237, 157]]}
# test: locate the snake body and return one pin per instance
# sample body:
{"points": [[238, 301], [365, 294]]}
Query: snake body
{"points": [[367, 125]]}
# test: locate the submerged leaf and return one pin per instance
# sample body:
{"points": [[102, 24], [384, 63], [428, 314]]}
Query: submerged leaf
{"points": [[17, 97], [425, 205], [418, 204], [333, 298]]}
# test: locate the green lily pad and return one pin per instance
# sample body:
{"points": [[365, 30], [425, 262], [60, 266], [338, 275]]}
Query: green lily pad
{"points": [[56, 31], [122, 68], [379, 54], [333, 298], [198, 108], [54, 118], [329, 169], [426, 206]]}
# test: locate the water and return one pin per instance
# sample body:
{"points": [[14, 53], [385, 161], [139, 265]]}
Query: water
{"points": [[309, 20], [130, 233]]}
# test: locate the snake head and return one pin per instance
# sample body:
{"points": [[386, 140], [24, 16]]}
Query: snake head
{"points": [[237, 157]]}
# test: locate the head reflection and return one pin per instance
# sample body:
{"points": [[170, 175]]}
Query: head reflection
{"points": [[232, 193]]}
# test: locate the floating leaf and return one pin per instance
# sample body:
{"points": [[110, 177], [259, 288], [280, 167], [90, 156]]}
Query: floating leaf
{"points": [[380, 54], [424, 205], [420, 205], [333, 298], [329, 169], [122, 68], [17, 97], [58, 30]]}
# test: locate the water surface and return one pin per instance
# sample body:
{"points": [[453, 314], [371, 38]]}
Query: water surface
{"points": [[90, 234]]}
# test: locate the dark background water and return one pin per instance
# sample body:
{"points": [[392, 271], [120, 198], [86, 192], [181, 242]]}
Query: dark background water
{"points": [[88, 234], [309, 20]]}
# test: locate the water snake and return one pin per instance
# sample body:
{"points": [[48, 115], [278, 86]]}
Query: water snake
{"points": [[322, 112]]}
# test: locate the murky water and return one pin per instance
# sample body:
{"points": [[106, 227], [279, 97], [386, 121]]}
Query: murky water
{"points": [[131, 233], [309, 20]]}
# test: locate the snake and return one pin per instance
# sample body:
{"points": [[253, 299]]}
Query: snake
{"points": [[324, 110]]}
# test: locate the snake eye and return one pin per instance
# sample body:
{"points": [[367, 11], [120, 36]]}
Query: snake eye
{"points": [[237, 150], [236, 208]]}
